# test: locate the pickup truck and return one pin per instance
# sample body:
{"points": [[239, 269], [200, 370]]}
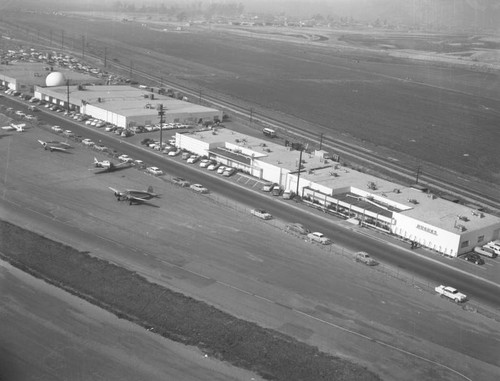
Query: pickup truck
{"points": [[451, 293]]}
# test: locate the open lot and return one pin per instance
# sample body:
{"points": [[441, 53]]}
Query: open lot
{"points": [[241, 265]]}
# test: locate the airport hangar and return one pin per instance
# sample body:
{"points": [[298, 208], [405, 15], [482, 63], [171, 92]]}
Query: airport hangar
{"points": [[409, 212], [125, 106], [25, 76]]}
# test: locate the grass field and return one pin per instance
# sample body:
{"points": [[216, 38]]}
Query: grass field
{"points": [[438, 114], [269, 353]]}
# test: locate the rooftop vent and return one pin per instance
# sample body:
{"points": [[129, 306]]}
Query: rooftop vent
{"points": [[413, 201], [396, 190], [463, 218]]}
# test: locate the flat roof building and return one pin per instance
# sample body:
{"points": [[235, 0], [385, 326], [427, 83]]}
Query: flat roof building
{"points": [[410, 212], [125, 106]]}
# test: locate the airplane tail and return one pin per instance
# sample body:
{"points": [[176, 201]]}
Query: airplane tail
{"points": [[96, 161], [44, 144]]}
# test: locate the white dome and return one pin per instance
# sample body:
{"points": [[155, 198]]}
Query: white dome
{"points": [[55, 79]]}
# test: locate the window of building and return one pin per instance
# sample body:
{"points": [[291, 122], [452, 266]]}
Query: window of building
{"points": [[464, 244], [480, 238]]}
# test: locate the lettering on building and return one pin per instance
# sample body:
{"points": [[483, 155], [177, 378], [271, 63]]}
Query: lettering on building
{"points": [[427, 230]]}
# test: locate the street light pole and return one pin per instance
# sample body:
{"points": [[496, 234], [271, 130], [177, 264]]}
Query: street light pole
{"points": [[161, 113], [298, 173]]}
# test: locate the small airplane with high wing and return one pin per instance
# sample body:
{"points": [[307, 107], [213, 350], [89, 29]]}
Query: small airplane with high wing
{"points": [[108, 166], [15, 127], [54, 146], [135, 196]]}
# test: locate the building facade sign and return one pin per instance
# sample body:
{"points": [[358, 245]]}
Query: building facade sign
{"points": [[426, 229]]}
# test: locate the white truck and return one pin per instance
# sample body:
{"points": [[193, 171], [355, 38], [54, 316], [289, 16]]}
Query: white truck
{"points": [[451, 293]]}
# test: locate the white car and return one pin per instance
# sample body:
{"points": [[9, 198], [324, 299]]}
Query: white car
{"points": [[229, 172], [221, 169], [68, 133], [199, 188], [318, 237], [193, 159], [125, 159], [57, 129], [213, 166], [174, 153], [154, 171], [260, 213], [205, 163], [451, 293], [29, 117], [88, 142]]}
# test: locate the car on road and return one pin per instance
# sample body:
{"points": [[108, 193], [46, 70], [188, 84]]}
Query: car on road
{"points": [[57, 129], [296, 227], [473, 257], [261, 213], [199, 188], [125, 158], [68, 133], [181, 182], [154, 171], [451, 293], [88, 142], [364, 257], [319, 238], [193, 159]]}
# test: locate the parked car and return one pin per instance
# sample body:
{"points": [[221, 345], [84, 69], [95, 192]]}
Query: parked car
{"points": [[68, 133], [268, 187], [288, 195], [205, 163], [475, 258], [147, 141], [365, 258], [297, 228], [221, 169], [57, 129], [181, 182], [193, 159], [154, 171], [185, 155], [174, 153], [213, 166], [229, 172], [199, 188], [487, 252], [125, 158], [319, 238], [261, 213], [276, 190]]}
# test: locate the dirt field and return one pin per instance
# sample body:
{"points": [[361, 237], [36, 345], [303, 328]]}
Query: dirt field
{"points": [[442, 115]]}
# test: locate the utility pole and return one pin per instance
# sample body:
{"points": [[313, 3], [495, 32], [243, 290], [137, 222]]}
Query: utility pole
{"points": [[298, 173], [67, 94], [161, 112], [105, 56], [320, 141]]}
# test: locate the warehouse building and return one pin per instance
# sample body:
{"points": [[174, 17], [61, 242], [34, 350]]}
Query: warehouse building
{"points": [[410, 212], [25, 76], [125, 106]]}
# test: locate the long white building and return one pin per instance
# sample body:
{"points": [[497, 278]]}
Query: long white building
{"points": [[412, 213]]}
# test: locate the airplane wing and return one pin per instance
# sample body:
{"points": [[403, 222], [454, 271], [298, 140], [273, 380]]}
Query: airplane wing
{"points": [[55, 148], [115, 190], [10, 128]]}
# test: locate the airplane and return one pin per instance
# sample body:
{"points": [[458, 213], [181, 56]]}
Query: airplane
{"points": [[54, 146], [18, 127], [108, 166], [135, 196]]}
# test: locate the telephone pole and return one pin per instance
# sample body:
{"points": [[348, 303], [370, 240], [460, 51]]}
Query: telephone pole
{"points": [[161, 112]]}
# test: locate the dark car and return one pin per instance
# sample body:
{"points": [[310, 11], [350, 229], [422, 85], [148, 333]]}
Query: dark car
{"points": [[472, 257]]}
